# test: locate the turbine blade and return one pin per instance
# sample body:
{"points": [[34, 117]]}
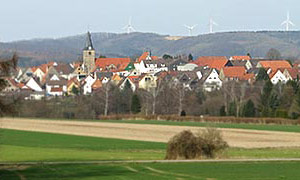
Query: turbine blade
{"points": [[283, 23], [187, 26], [130, 19], [291, 23]]}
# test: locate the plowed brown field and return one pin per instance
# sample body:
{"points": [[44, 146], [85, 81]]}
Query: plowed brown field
{"points": [[156, 133]]}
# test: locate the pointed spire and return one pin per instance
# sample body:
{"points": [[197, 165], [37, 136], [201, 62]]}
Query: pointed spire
{"points": [[89, 43]]}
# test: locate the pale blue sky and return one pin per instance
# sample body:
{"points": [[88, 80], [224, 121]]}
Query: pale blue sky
{"points": [[27, 19]]}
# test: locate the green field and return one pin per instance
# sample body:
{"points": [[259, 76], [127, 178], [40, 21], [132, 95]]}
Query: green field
{"points": [[37, 146], [271, 127], [205, 171], [18, 146]]}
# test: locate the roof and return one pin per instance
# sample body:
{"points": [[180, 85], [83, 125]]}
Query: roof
{"points": [[145, 55], [116, 77], [217, 62], [89, 42], [63, 68], [238, 62], [239, 58], [56, 89], [275, 64], [294, 72], [97, 84], [112, 64], [234, 71], [61, 82], [73, 80], [129, 67], [104, 74], [238, 72]]}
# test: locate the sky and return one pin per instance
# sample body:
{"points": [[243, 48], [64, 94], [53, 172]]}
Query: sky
{"points": [[31, 19]]}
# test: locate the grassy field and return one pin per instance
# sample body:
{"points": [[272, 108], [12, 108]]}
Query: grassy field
{"points": [[205, 171], [284, 128], [37, 146], [18, 146]]}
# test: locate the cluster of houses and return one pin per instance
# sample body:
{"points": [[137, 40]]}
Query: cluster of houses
{"points": [[207, 72]]}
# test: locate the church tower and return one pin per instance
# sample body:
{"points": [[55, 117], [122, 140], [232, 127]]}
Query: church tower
{"points": [[89, 54]]}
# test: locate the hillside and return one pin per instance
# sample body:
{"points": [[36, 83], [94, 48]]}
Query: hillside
{"points": [[68, 49]]}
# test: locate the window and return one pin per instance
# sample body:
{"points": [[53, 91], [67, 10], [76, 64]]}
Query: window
{"points": [[90, 53]]}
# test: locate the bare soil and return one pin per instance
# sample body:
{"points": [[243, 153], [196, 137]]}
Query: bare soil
{"points": [[154, 133]]}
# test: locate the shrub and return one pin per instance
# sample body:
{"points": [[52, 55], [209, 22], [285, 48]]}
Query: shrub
{"points": [[187, 145], [183, 113], [183, 146], [211, 142]]}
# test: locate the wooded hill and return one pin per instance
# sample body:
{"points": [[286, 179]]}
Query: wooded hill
{"points": [[69, 49]]}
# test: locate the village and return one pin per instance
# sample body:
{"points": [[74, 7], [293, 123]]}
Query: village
{"points": [[208, 72]]}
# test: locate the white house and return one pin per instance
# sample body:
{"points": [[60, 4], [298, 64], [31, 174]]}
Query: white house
{"points": [[88, 83], [133, 82], [56, 86], [277, 77], [32, 84], [187, 67], [211, 80], [39, 74]]}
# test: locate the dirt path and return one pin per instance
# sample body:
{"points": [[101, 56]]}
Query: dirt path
{"points": [[155, 133]]}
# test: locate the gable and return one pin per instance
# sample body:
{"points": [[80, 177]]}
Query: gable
{"points": [[54, 78]]}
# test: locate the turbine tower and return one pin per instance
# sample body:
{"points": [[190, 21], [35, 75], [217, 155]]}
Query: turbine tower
{"points": [[287, 22], [212, 23], [129, 28], [190, 28]]}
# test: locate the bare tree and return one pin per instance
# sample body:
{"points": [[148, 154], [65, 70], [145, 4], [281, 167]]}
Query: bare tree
{"points": [[6, 68]]}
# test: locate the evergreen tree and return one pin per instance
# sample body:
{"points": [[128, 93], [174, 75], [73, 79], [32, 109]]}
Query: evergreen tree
{"points": [[167, 56], [269, 101], [249, 109], [222, 111], [262, 75], [232, 109], [124, 100], [190, 58], [294, 84], [135, 104], [75, 90]]}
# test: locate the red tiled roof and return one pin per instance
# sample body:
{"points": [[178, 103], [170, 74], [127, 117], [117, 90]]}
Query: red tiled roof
{"points": [[217, 62], [294, 72], [247, 77], [119, 63], [237, 72], [234, 71], [145, 55], [74, 79], [56, 89], [97, 84], [240, 58], [275, 64]]}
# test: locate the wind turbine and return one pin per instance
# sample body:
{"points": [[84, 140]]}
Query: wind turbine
{"points": [[129, 26], [287, 22], [190, 28], [212, 23]]}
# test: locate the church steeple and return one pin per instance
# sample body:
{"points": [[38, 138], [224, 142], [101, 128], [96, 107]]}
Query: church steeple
{"points": [[89, 54], [89, 42]]}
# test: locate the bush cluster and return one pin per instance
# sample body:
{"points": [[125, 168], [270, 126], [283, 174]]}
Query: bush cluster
{"points": [[204, 144]]}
